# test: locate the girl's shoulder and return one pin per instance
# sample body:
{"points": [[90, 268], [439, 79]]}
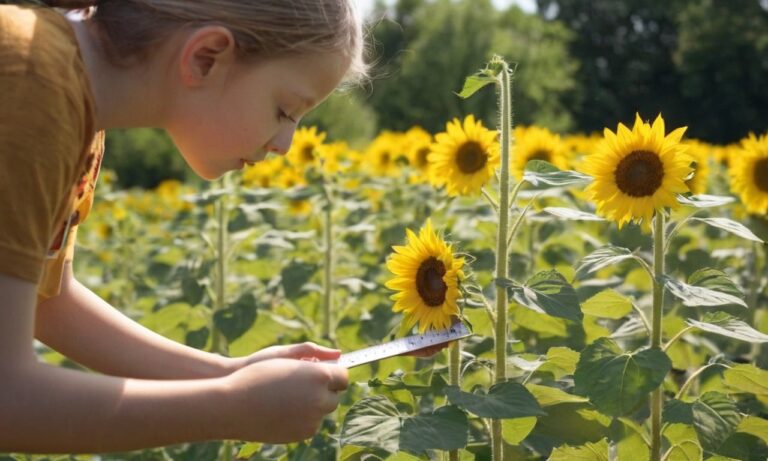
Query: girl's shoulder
{"points": [[36, 42]]}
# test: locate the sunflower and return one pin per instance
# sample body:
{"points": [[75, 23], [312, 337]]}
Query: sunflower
{"points": [[538, 143], [263, 173], [383, 154], [749, 173], [637, 172], [699, 151], [464, 157], [418, 143], [304, 148], [426, 277]]}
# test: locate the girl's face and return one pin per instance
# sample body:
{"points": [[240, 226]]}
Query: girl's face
{"points": [[247, 110]]}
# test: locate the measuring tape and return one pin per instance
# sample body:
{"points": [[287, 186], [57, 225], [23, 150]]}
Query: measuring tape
{"points": [[402, 346]]}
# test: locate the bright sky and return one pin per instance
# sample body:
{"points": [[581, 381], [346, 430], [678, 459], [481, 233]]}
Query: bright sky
{"points": [[528, 5]]}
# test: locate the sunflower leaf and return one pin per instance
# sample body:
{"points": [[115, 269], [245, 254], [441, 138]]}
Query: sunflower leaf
{"points": [[571, 214], [704, 201], [715, 280], [541, 174], [715, 418], [597, 451], [600, 258], [372, 422], [726, 325], [549, 293], [475, 83], [747, 378], [730, 226], [699, 296], [446, 428], [503, 400], [618, 382]]}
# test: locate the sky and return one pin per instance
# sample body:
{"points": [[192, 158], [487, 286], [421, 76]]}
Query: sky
{"points": [[528, 5]]}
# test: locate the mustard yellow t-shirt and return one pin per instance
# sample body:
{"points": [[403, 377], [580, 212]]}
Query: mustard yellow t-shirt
{"points": [[50, 153]]}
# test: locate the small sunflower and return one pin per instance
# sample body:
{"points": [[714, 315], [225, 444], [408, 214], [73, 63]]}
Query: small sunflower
{"points": [[304, 148], [538, 143], [383, 154], [637, 172], [749, 173], [263, 173], [418, 146], [427, 277], [464, 157]]}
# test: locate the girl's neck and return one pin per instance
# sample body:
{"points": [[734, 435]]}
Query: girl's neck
{"points": [[129, 97]]}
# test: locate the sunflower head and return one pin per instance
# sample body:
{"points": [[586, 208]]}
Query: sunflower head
{"points": [[464, 157], [700, 153], [638, 171], [384, 154], [418, 144], [304, 148], [426, 278], [748, 170]]}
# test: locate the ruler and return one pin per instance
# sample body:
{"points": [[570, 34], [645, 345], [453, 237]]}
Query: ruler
{"points": [[402, 346]]}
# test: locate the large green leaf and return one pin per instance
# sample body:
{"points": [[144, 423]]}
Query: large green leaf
{"points": [[715, 418], [683, 443], [755, 426], [503, 400], [372, 422], [619, 382], [677, 412], [541, 174], [715, 280], [444, 429], [295, 275], [600, 258], [515, 430], [548, 396], [571, 214], [630, 440], [724, 324], [607, 304], [549, 293], [747, 378], [560, 362], [237, 318], [699, 296], [475, 83], [730, 226], [704, 201], [590, 452]]}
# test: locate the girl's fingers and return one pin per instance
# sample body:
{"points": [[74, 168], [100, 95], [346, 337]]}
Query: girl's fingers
{"points": [[312, 350]]}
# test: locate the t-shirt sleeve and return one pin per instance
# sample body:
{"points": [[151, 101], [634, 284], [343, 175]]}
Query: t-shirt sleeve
{"points": [[41, 137]]}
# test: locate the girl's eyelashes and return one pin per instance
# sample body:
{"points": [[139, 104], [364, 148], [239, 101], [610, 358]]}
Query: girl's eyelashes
{"points": [[282, 114]]}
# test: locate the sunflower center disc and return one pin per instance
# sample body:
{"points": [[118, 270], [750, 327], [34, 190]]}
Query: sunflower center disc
{"points": [[429, 282], [761, 174], [421, 157], [471, 157], [385, 158], [639, 174], [540, 154], [308, 153]]}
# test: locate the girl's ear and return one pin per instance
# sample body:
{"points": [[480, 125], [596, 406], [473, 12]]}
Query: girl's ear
{"points": [[207, 51]]}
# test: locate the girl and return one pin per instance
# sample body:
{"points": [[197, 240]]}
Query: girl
{"points": [[229, 80]]}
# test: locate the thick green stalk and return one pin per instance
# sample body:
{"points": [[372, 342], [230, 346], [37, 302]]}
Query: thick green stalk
{"points": [[454, 369], [505, 95], [657, 397], [218, 341], [327, 263]]}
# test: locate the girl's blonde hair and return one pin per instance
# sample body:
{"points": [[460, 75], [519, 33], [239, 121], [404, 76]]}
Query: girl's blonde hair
{"points": [[263, 29]]}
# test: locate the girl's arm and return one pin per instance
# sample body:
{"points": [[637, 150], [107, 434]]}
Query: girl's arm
{"points": [[45, 409], [85, 328]]}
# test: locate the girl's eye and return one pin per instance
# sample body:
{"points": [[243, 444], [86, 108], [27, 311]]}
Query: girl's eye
{"points": [[282, 114]]}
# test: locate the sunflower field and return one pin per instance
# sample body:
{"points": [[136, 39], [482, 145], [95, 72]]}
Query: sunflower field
{"points": [[616, 284]]}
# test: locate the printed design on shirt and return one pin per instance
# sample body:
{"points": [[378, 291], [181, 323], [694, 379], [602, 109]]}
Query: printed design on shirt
{"points": [[82, 194]]}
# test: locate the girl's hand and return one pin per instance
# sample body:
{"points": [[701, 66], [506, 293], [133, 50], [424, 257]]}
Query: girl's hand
{"points": [[304, 351], [281, 400]]}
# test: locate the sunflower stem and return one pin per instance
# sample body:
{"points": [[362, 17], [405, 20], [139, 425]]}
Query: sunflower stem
{"points": [[657, 397], [454, 370], [327, 262], [694, 375], [502, 266], [490, 199], [218, 341]]}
